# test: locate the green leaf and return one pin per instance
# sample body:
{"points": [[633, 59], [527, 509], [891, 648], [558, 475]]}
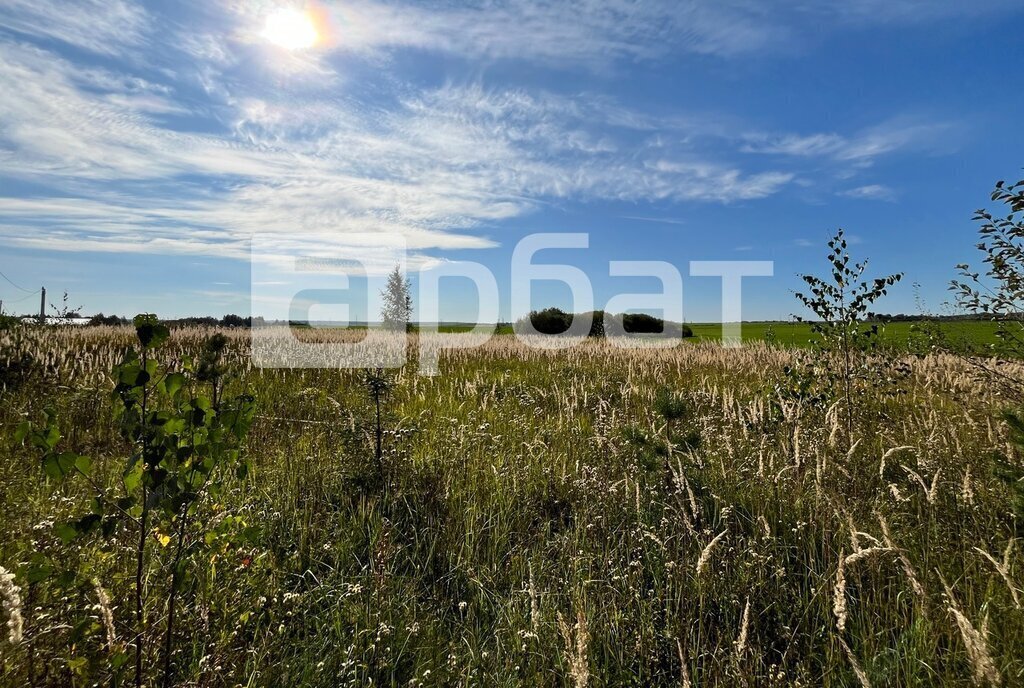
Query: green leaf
{"points": [[128, 373], [22, 432], [38, 572], [87, 523], [66, 532], [51, 467], [47, 439], [67, 462], [133, 476], [83, 464], [58, 466], [149, 330], [173, 383], [39, 568], [109, 526]]}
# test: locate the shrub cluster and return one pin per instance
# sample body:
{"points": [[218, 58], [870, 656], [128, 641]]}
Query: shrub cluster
{"points": [[555, 321]]}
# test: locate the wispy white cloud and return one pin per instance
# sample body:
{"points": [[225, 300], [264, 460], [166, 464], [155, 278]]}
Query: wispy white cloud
{"points": [[794, 144], [899, 134], [578, 32], [436, 165], [131, 160], [874, 12], [585, 31], [107, 27], [600, 32], [873, 192], [658, 220]]}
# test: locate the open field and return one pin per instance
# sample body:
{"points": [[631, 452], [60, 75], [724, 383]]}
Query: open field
{"points": [[972, 333], [588, 517]]}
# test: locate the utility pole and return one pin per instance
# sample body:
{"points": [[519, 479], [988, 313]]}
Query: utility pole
{"points": [[42, 306]]}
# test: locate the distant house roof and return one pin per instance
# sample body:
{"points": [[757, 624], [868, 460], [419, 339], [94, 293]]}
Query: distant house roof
{"points": [[51, 320]]}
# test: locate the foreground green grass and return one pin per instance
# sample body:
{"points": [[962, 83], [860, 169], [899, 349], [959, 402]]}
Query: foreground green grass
{"points": [[541, 519]]}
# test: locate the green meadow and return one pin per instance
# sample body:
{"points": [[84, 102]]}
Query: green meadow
{"points": [[973, 333], [977, 335], [691, 516]]}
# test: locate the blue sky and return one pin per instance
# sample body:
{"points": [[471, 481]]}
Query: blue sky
{"points": [[143, 144]]}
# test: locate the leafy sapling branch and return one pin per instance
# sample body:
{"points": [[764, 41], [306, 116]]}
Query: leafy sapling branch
{"points": [[186, 438], [841, 304], [998, 294]]}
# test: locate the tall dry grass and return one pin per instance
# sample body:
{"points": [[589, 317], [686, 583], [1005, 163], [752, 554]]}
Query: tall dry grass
{"points": [[536, 521]]}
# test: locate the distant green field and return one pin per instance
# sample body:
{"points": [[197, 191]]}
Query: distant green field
{"points": [[964, 332], [960, 333]]}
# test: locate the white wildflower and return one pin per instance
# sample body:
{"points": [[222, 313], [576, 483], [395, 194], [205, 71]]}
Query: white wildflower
{"points": [[10, 598]]}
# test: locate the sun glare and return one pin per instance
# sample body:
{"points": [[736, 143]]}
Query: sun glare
{"points": [[291, 29]]}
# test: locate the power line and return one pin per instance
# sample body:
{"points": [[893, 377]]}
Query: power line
{"points": [[16, 286], [27, 296]]}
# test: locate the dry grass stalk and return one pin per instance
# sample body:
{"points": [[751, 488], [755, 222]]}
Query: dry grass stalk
{"points": [[908, 568], [856, 535], [886, 455], [106, 613], [1003, 568], [534, 604], [975, 641], [684, 671], [797, 459], [839, 594], [832, 420], [577, 644], [705, 555], [896, 494], [866, 553], [967, 488], [857, 670], [931, 491], [740, 645], [689, 511]]}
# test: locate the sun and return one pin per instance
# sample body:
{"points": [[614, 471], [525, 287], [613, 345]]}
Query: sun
{"points": [[291, 29]]}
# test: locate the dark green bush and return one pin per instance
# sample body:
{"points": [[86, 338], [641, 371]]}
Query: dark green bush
{"points": [[555, 321], [641, 323], [547, 321], [8, 322], [113, 320]]}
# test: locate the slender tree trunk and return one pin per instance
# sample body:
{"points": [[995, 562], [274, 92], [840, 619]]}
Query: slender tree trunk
{"points": [[849, 396], [172, 599], [376, 399], [179, 552], [846, 370], [140, 560], [139, 567], [31, 602]]}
